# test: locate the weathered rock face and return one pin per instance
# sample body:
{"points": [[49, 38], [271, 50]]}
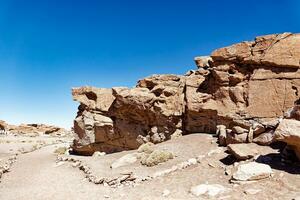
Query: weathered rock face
{"points": [[245, 88], [126, 118]]}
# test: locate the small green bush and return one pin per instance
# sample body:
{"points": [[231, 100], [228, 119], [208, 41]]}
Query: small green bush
{"points": [[146, 148], [60, 150], [156, 157]]}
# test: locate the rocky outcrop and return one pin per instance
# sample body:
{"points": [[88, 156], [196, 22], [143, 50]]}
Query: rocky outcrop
{"points": [[239, 92], [121, 118], [32, 129]]}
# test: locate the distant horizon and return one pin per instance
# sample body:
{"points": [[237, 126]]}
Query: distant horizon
{"points": [[47, 47]]}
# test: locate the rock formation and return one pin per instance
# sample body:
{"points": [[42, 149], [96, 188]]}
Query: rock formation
{"points": [[32, 129], [239, 92]]}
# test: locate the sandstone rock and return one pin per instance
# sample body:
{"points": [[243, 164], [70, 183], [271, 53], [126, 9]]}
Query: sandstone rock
{"points": [[233, 138], [151, 112], [265, 138], [124, 160], [243, 151], [94, 98], [29, 129], [207, 189], [245, 87], [221, 133], [239, 130], [293, 113], [252, 171], [203, 61], [266, 50], [257, 128], [288, 131]]}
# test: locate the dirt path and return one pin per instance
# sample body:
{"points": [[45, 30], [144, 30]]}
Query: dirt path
{"points": [[35, 175]]}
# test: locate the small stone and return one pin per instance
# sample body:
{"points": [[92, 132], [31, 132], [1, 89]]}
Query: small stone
{"points": [[214, 151], [252, 171], [192, 161], [166, 193], [98, 154], [76, 164], [252, 191], [265, 138], [59, 164], [176, 134], [212, 165], [210, 190], [200, 158], [106, 196], [203, 61], [228, 171], [258, 128], [250, 135], [221, 133]]}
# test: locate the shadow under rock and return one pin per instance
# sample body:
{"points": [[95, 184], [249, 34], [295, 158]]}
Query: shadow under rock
{"points": [[228, 160], [274, 160]]}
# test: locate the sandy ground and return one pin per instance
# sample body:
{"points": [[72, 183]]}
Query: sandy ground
{"points": [[37, 174]]}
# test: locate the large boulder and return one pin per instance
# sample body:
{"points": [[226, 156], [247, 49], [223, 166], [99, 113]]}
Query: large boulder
{"points": [[288, 131], [117, 119], [244, 88]]}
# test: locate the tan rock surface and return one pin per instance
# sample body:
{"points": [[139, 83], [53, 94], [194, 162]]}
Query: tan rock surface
{"points": [[248, 85], [32, 129], [288, 131], [243, 151]]}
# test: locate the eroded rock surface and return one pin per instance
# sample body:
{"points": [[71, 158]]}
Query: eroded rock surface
{"points": [[239, 91]]}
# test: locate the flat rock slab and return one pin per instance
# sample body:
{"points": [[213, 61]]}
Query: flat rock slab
{"points": [[246, 151], [243, 151], [252, 171]]}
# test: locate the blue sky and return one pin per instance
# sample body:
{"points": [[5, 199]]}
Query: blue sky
{"points": [[49, 46]]}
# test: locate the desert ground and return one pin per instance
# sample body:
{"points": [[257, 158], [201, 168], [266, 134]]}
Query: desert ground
{"points": [[40, 167]]}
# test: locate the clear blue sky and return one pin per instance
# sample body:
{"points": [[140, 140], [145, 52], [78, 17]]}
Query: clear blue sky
{"points": [[49, 46]]}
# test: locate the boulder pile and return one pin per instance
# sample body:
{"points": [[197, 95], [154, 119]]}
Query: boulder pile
{"points": [[240, 92]]}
